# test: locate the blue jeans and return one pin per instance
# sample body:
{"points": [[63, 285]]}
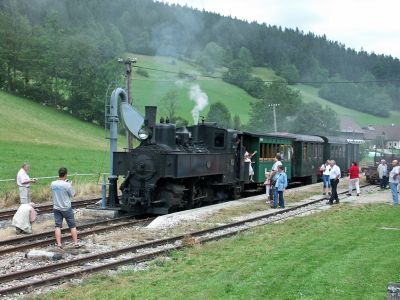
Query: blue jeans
{"points": [[393, 188], [327, 182], [278, 195]]}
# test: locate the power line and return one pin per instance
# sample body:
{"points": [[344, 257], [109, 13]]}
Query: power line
{"points": [[189, 75]]}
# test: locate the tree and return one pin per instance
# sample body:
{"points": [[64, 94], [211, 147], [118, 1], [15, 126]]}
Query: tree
{"points": [[312, 118], [289, 72], [261, 115], [170, 103], [237, 124], [219, 113], [15, 41], [238, 72], [211, 57], [245, 56]]}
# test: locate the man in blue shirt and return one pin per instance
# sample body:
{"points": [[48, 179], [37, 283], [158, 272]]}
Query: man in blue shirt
{"points": [[280, 186]]}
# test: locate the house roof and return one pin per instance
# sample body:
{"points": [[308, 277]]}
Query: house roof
{"points": [[349, 125], [390, 132]]}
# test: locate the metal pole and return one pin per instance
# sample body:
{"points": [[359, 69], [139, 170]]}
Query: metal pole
{"points": [[128, 67], [113, 121], [274, 105]]}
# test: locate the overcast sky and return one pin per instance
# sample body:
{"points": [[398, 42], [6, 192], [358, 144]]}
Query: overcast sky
{"points": [[373, 25]]}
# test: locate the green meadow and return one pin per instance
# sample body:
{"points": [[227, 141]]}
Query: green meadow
{"points": [[343, 253], [47, 139], [150, 90]]}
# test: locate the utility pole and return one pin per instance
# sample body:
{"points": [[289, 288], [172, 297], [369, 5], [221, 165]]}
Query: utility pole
{"points": [[128, 71], [274, 105]]}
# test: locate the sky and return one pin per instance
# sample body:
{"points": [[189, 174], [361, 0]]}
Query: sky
{"points": [[371, 25]]}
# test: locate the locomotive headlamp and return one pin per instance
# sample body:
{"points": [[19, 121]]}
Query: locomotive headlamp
{"points": [[144, 133]]}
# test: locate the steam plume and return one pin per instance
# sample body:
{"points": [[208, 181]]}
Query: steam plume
{"points": [[201, 99]]}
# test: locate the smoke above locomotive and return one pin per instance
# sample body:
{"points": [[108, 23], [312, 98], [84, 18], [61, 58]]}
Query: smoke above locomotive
{"points": [[201, 100]]}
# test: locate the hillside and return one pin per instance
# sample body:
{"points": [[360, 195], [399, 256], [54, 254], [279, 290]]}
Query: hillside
{"points": [[72, 46], [48, 139], [310, 94], [150, 90]]}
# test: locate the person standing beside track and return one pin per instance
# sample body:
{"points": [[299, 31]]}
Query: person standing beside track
{"points": [[383, 174], [326, 169], [63, 192], [273, 175], [23, 182], [334, 176], [394, 181], [281, 183], [354, 179]]}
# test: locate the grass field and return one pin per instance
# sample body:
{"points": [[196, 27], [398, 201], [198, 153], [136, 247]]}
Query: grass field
{"points": [[47, 138], [310, 94], [149, 91], [343, 253]]}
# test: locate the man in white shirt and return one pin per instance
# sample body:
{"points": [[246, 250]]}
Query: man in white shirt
{"points": [[394, 181], [23, 182], [334, 176], [274, 173]]}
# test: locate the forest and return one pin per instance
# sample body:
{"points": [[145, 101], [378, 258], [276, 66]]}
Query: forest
{"points": [[63, 54]]}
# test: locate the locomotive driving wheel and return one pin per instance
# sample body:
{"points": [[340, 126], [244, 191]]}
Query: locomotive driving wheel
{"points": [[170, 196]]}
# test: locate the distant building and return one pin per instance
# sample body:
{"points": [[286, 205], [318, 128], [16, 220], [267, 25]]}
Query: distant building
{"points": [[351, 130], [386, 135]]}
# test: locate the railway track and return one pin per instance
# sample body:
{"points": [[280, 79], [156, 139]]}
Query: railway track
{"points": [[47, 238], [44, 209], [27, 280]]}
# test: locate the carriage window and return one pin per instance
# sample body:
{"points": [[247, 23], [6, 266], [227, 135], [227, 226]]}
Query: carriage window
{"points": [[305, 151], [269, 151], [286, 152], [219, 140]]}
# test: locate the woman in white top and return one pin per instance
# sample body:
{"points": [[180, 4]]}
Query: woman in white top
{"points": [[325, 169]]}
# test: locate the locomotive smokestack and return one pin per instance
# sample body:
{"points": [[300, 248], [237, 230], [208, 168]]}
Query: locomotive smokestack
{"points": [[150, 119]]}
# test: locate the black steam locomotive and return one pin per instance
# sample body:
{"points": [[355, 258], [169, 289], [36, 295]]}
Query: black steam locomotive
{"points": [[180, 168], [175, 169]]}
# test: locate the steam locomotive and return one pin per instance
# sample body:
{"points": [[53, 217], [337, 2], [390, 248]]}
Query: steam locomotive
{"points": [[181, 168]]}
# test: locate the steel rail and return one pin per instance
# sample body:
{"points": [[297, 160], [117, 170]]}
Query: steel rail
{"points": [[58, 266], [42, 209], [45, 234], [51, 240]]}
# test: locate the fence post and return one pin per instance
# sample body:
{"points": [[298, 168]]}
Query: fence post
{"points": [[104, 192]]}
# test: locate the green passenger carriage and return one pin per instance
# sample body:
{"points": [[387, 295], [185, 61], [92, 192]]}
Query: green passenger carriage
{"points": [[267, 146]]}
